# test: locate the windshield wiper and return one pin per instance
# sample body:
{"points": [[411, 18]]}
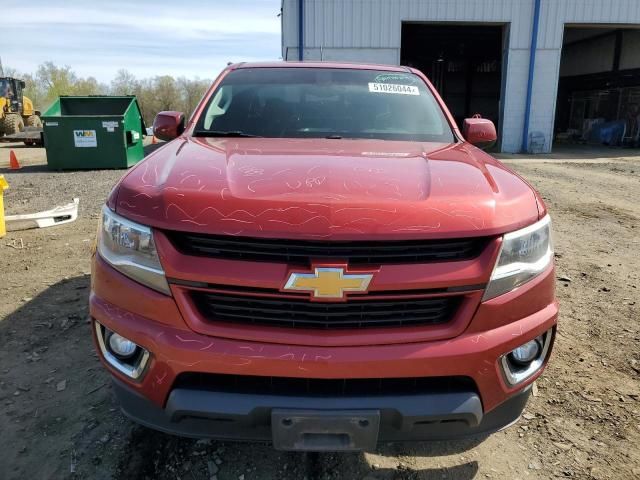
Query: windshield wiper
{"points": [[222, 133]]}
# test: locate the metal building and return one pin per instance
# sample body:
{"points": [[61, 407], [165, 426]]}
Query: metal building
{"points": [[579, 83]]}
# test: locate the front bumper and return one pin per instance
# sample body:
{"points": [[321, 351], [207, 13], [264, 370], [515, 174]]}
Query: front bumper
{"points": [[237, 416], [153, 321]]}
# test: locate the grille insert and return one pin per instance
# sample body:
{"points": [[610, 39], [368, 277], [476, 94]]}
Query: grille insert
{"points": [[289, 386], [302, 313], [303, 251]]}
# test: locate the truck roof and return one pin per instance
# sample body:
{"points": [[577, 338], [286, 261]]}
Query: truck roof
{"points": [[288, 64]]}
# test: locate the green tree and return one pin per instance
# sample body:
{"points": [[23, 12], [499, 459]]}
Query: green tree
{"points": [[88, 86], [33, 91], [55, 81], [155, 94], [145, 94], [167, 95]]}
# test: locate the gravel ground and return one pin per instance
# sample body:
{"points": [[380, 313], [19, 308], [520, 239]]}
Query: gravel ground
{"points": [[58, 419]]}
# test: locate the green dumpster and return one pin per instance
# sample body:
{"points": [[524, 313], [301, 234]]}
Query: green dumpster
{"points": [[93, 132]]}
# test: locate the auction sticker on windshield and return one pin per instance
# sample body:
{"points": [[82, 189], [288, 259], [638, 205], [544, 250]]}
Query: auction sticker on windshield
{"points": [[394, 88]]}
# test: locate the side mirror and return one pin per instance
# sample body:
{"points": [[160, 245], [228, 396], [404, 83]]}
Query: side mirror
{"points": [[479, 132], [168, 125]]}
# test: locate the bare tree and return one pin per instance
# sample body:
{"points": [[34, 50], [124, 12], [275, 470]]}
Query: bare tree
{"points": [[124, 83], [192, 92]]}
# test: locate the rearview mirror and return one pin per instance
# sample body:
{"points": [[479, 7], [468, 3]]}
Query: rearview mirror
{"points": [[479, 132], [168, 125]]}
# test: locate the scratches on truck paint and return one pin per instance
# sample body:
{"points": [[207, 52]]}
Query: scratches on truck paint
{"points": [[365, 191], [241, 362], [207, 347], [487, 369], [417, 228], [188, 177], [317, 217], [142, 194], [519, 332], [235, 220], [193, 222], [188, 340], [251, 171], [298, 185], [258, 348], [287, 356], [159, 380]]}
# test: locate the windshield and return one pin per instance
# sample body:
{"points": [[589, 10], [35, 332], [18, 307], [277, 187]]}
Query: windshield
{"points": [[4, 87], [324, 103]]}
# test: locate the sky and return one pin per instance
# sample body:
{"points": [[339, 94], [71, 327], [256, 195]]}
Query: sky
{"points": [[97, 38]]}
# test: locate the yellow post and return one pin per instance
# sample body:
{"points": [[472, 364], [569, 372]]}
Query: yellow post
{"points": [[3, 186]]}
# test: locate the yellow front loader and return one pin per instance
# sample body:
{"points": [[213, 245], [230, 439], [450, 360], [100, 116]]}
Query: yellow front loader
{"points": [[16, 110]]}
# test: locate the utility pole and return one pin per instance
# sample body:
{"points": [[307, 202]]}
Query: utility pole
{"points": [[1, 69]]}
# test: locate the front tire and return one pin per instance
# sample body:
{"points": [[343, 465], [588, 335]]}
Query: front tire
{"points": [[12, 123], [34, 121]]}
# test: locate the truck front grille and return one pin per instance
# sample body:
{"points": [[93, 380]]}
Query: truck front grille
{"points": [[302, 313], [289, 386], [304, 251]]}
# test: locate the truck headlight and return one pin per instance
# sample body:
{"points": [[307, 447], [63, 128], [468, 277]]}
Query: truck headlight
{"points": [[129, 248], [524, 254]]}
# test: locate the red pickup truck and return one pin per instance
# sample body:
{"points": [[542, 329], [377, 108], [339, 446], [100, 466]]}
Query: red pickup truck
{"points": [[320, 258]]}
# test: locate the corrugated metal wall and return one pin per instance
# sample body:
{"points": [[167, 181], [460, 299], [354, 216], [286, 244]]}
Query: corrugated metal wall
{"points": [[377, 23], [370, 31]]}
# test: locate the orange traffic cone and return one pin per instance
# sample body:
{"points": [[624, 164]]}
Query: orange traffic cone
{"points": [[13, 161], [154, 140]]}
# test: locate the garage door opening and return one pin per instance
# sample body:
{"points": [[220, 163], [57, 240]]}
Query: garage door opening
{"points": [[464, 62], [599, 87]]}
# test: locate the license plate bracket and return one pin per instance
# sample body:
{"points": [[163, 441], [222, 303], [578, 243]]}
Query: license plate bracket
{"points": [[324, 430]]}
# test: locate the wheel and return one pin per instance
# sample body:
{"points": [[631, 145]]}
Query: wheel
{"points": [[12, 123], [34, 121]]}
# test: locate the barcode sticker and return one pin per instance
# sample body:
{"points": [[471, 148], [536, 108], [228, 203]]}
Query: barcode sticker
{"points": [[393, 88]]}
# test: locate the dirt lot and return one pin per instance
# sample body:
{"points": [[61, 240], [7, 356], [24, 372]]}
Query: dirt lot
{"points": [[58, 419]]}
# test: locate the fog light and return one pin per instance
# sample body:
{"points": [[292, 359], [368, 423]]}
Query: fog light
{"points": [[121, 347], [526, 353], [121, 353], [523, 362]]}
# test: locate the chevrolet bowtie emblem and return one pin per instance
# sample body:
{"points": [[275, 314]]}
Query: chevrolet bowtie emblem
{"points": [[328, 282]]}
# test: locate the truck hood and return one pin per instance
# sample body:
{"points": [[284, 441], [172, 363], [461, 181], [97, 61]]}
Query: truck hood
{"points": [[325, 189]]}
